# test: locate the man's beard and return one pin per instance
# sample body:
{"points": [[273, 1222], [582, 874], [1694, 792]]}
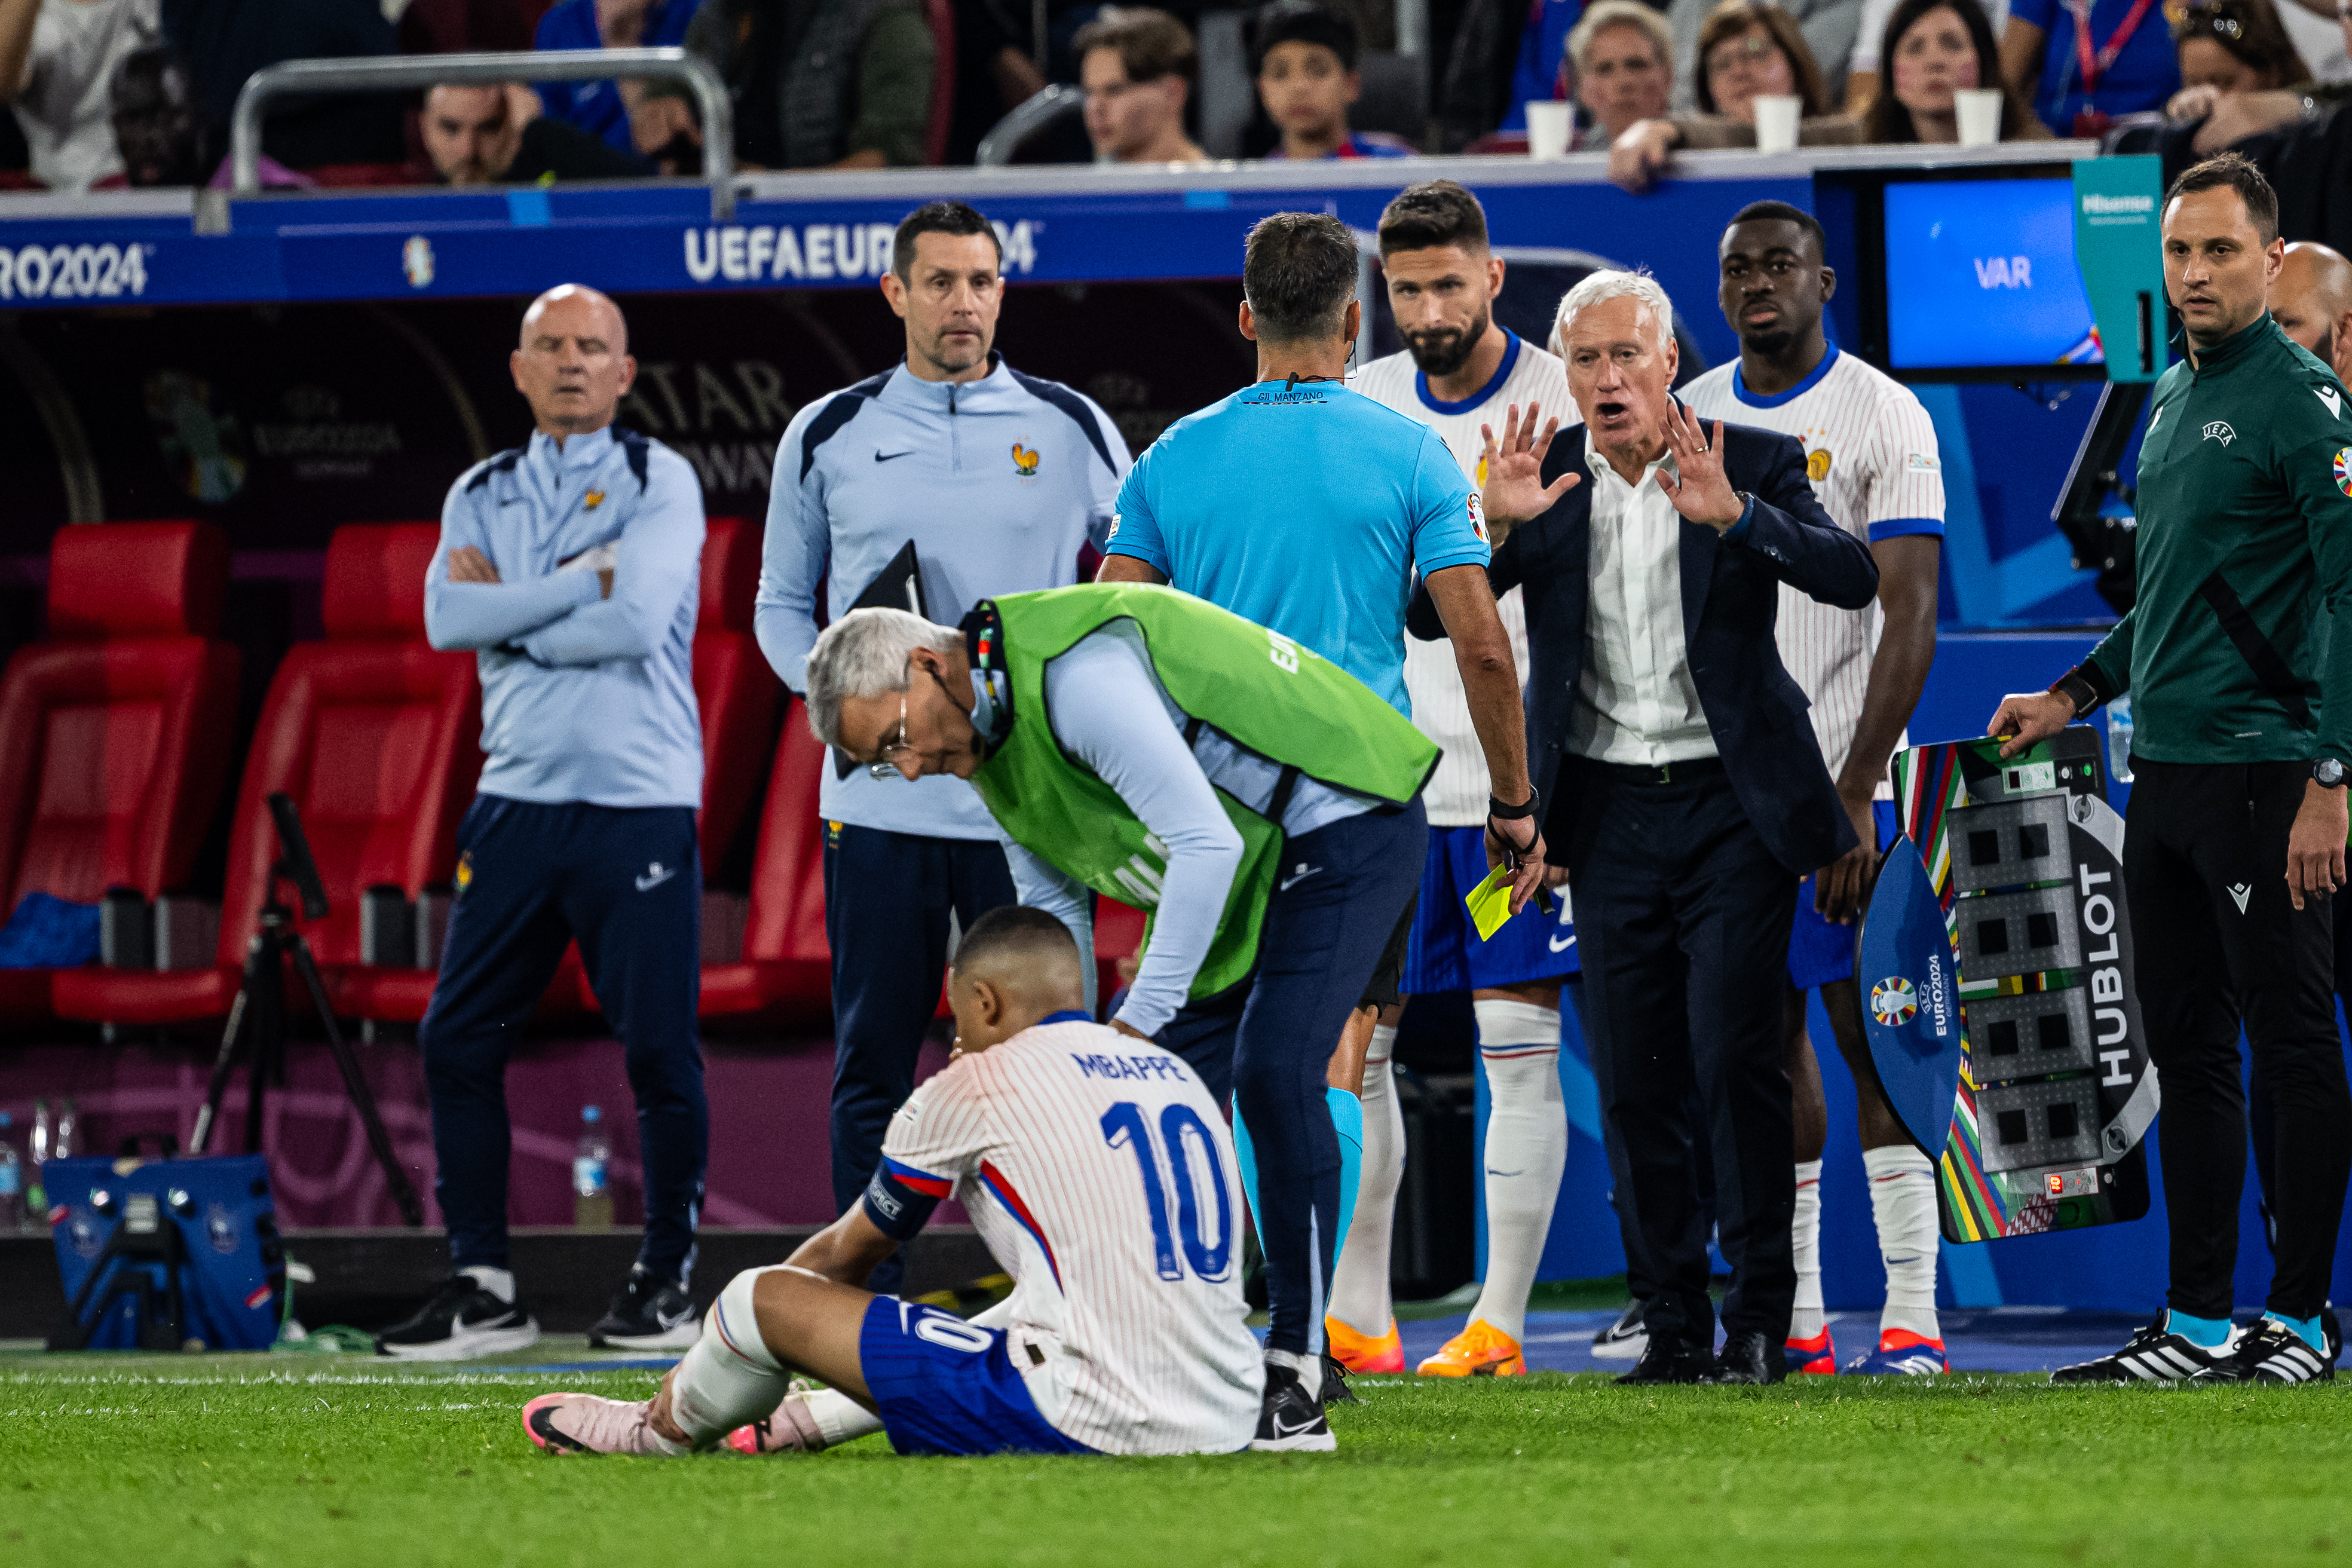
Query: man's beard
{"points": [[1445, 353], [1770, 345], [2325, 349]]}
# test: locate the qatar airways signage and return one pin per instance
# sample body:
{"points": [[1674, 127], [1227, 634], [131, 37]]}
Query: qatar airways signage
{"points": [[821, 252]]}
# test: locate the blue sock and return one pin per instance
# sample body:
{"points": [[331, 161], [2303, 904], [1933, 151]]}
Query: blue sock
{"points": [[2307, 1327], [2205, 1333], [1348, 1121]]}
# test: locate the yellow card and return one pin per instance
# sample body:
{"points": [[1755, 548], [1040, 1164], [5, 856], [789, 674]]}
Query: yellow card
{"points": [[1490, 902]]}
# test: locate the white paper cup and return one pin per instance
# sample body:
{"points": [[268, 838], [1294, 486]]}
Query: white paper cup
{"points": [[1979, 115], [1777, 115], [1548, 123]]}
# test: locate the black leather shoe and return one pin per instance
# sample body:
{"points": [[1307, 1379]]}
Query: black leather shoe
{"points": [[1748, 1358], [1667, 1362]]}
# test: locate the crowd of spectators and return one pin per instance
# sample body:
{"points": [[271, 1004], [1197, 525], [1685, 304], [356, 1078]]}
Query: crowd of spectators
{"points": [[109, 92]]}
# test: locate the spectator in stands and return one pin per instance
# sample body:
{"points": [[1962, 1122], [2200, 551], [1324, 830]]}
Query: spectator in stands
{"points": [[817, 84], [1862, 77], [1749, 47], [2311, 299], [1827, 26], [491, 135], [1540, 74], [225, 41], [1625, 60], [57, 59], [2243, 76], [1305, 65], [571, 567], [1939, 47], [2076, 82], [159, 127], [604, 109], [1138, 67]]}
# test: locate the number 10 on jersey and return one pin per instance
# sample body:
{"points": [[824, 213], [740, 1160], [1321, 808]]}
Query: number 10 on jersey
{"points": [[1183, 1137]]}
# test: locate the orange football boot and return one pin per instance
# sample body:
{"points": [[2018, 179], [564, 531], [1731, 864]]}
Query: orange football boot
{"points": [[1816, 1355], [1479, 1351], [1363, 1353]]}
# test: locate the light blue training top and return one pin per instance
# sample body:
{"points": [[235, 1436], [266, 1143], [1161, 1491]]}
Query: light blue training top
{"points": [[583, 698], [1306, 507]]}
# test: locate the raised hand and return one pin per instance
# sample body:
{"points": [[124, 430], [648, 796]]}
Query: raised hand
{"points": [[1514, 491], [1704, 493]]}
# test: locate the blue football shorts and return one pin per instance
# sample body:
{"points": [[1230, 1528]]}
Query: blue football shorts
{"points": [[1444, 952], [1819, 951], [947, 1386]]}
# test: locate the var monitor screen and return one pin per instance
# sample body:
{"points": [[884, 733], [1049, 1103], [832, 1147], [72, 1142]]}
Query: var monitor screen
{"points": [[1981, 273]]}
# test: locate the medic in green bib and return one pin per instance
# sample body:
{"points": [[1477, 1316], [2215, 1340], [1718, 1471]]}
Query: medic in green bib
{"points": [[1262, 803]]}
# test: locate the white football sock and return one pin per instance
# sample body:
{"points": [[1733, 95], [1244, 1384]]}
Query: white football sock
{"points": [[840, 1418], [1805, 1240], [1902, 1201], [730, 1376], [1360, 1286], [499, 1282], [1309, 1369], [1527, 1148]]}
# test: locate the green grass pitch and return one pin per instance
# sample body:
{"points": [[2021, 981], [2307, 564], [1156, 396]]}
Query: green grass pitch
{"points": [[271, 1462]]}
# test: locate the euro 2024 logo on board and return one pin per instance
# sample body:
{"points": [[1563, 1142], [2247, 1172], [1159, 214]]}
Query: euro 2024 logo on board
{"points": [[1893, 1002]]}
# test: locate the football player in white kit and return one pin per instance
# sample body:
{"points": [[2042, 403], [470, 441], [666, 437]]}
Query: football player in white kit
{"points": [[1870, 451], [1099, 1170], [1461, 374]]}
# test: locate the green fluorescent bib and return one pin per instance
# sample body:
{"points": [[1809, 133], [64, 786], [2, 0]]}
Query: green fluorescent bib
{"points": [[1259, 689]]}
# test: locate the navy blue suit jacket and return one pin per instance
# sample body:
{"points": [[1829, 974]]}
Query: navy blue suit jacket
{"points": [[1731, 593]]}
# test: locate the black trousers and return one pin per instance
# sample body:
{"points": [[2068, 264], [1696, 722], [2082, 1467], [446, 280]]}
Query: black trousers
{"points": [[2202, 836], [1682, 916]]}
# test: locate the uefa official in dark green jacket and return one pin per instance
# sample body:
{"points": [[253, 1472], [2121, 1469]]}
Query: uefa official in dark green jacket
{"points": [[2243, 728]]}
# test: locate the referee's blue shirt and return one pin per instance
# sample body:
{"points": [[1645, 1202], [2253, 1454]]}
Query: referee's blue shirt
{"points": [[1306, 507]]}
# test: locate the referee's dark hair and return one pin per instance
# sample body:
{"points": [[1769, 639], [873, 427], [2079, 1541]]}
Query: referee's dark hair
{"points": [[1431, 215], [1299, 275], [939, 217], [2236, 170], [1783, 212]]}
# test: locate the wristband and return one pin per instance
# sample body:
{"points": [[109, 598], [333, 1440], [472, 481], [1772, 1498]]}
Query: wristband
{"points": [[1513, 813], [2076, 689]]}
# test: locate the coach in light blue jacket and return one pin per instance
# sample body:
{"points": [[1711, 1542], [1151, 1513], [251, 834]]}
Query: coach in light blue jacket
{"points": [[998, 480], [571, 565]]}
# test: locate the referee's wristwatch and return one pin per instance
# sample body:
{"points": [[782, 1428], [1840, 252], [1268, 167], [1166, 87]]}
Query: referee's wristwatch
{"points": [[2328, 773]]}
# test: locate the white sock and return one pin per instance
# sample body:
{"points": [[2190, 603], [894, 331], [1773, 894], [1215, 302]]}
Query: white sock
{"points": [[730, 1376], [499, 1282], [1360, 1286], [840, 1418], [1902, 1201], [1527, 1148], [1309, 1369], [1805, 1238]]}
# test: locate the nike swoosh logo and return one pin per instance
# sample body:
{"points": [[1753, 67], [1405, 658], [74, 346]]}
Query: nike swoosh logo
{"points": [[893, 457], [1283, 1429], [1559, 946], [646, 882], [1288, 882]]}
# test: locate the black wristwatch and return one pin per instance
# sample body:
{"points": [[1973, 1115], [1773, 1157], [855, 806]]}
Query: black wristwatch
{"points": [[1513, 813], [2328, 773]]}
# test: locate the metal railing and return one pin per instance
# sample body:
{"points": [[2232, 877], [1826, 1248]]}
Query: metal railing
{"points": [[1028, 118], [382, 73]]}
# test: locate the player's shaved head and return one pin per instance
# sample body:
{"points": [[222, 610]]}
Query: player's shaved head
{"points": [[1016, 965], [2312, 297]]}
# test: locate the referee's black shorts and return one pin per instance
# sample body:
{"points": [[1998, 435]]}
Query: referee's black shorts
{"points": [[1384, 989]]}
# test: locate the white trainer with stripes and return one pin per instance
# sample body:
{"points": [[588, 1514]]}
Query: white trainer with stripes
{"points": [[2270, 1352], [2155, 1355]]}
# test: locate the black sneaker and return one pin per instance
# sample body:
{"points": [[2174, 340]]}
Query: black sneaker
{"points": [[1289, 1422], [1664, 1363], [649, 1314], [462, 1320], [1748, 1358], [2155, 1356], [2270, 1352], [1625, 1339], [1335, 1383]]}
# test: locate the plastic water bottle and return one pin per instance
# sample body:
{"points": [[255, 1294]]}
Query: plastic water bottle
{"points": [[12, 1177], [61, 1145], [592, 1165], [36, 1197], [2119, 739]]}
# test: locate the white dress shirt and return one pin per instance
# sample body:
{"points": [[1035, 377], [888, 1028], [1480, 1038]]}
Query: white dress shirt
{"points": [[1635, 700]]}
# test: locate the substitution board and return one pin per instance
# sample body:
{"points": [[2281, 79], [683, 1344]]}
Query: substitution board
{"points": [[2001, 1010]]}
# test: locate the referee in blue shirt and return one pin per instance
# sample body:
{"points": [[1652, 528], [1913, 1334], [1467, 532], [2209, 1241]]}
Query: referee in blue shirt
{"points": [[571, 565], [1308, 507]]}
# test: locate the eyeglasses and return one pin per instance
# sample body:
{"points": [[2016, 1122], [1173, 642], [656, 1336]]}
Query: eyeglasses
{"points": [[1751, 50], [882, 767], [2218, 19]]}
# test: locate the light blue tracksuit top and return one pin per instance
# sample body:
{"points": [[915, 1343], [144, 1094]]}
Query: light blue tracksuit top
{"points": [[999, 483], [583, 698]]}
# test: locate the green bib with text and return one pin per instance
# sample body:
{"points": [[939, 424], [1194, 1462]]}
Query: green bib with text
{"points": [[1256, 688]]}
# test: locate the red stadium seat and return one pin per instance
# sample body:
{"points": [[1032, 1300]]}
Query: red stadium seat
{"points": [[785, 975], [940, 17], [736, 691], [376, 737], [115, 732], [1119, 933]]}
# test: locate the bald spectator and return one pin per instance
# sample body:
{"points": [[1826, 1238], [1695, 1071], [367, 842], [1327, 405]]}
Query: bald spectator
{"points": [[496, 135], [2311, 299], [1138, 66]]}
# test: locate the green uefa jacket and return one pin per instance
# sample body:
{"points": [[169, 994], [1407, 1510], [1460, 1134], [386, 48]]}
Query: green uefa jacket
{"points": [[2244, 550], [1259, 689]]}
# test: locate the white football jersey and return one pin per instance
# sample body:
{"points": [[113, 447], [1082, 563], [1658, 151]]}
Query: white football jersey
{"points": [[1457, 794], [1870, 450], [1101, 1173]]}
